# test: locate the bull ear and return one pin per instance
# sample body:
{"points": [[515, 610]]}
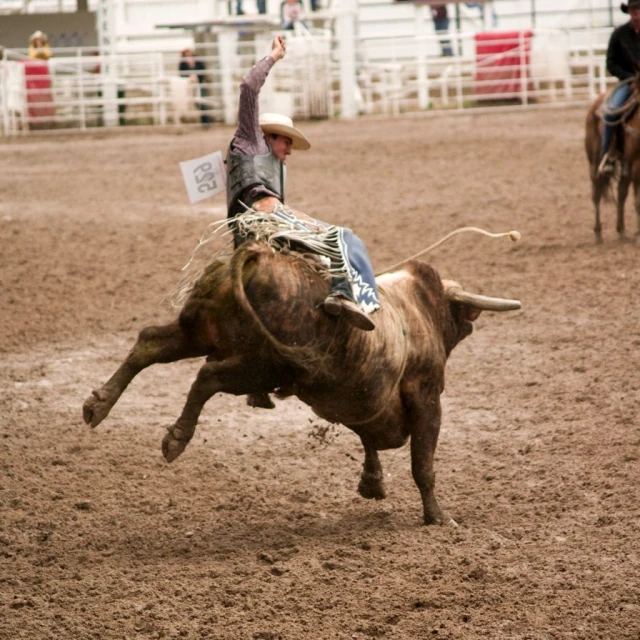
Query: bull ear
{"points": [[472, 313]]}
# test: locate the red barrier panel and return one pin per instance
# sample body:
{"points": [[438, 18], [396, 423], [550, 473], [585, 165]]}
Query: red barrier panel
{"points": [[38, 90], [502, 65]]}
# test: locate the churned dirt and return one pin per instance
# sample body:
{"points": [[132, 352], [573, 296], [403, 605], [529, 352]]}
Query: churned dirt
{"points": [[256, 532]]}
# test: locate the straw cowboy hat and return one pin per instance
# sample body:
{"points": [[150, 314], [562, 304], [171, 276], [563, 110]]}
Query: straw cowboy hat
{"points": [[283, 126], [632, 4], [37, 34]]}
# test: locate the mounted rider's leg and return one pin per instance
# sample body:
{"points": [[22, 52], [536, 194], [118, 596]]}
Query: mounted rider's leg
{"points": [[608, 149]]}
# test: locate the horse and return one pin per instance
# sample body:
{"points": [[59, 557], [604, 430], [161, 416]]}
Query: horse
{"points": [[626, 144]]}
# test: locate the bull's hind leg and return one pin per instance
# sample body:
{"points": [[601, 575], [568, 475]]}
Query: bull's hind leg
{"points": [[371, 482], [232, 375], [154, 345]]}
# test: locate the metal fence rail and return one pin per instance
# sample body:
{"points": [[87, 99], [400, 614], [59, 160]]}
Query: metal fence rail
{"points": [[78, 89]]}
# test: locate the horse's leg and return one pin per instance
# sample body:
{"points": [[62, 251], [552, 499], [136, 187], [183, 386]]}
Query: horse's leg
{"points": [[598, 186], [371, 483], [637, 207], [154, 344], [232, 375], [623, 190], [636, 187]]}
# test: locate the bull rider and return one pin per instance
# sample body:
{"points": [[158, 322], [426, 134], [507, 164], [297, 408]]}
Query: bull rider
{"points": [[255, 185]]}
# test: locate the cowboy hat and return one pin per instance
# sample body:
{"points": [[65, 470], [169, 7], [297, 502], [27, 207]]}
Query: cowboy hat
{"points": [[283, 126], [632, 4], [38, 34]]}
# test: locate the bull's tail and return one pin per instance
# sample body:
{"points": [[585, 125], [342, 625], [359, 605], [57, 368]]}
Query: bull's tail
{"points": [[304, 356], [513, 235]]}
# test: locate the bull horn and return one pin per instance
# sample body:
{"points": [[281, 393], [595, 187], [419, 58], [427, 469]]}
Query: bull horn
{"points": [[454, 291]]}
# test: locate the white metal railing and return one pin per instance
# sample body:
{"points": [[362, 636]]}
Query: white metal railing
{"points": [[543, 67], [391, 76], [87, 90]]}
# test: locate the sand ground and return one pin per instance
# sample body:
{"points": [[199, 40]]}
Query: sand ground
{"points": [[256, 532]]}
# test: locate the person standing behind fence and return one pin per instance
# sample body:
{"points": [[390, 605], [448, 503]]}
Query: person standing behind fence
{"points": [[440, 17], [261, 4], [195, 70], [623, 51], [39, 46], [291, 11]]}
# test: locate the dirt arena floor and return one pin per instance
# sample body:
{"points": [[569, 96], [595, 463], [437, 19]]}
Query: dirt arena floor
{"points": [[256, 532]]}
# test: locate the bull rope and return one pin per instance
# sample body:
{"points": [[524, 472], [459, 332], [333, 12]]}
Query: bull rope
{"points": [[513, 235]]}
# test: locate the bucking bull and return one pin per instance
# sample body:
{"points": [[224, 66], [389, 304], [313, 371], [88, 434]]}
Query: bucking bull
{"points": [[255, 318]]}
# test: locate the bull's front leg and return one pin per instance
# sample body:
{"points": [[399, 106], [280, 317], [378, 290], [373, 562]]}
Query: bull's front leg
{"points": [[232, 375], [424, 415], [371, 481], [155, 344]]}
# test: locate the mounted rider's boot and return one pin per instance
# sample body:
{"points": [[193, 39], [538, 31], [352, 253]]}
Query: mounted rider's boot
{"points": [[607, 165]]}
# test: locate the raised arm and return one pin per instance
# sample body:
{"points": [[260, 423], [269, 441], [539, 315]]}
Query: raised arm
{"points": [[248, 131]]}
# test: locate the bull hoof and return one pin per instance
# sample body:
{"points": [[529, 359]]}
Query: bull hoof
{"points": [[96, 407], [440, 519], [371, 487], [260, 401], [173, 446]]}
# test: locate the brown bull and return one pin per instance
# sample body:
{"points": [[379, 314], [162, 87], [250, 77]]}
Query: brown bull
{"points": [[627, 141], [255, 318]]}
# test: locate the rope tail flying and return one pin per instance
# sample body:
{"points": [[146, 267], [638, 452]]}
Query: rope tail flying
{"points": [[513, 235]]}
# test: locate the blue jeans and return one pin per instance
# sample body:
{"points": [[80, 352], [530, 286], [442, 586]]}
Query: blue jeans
{"points": [[617, 99]]}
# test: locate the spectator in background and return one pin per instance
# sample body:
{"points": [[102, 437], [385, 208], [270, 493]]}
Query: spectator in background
{"points": [[262, 7], [195, 70], [440, 18], [291, 11], [39, 46], [121, 93]]}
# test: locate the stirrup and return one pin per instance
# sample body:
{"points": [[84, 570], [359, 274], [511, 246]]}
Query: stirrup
{"points": [[607, 165]]}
